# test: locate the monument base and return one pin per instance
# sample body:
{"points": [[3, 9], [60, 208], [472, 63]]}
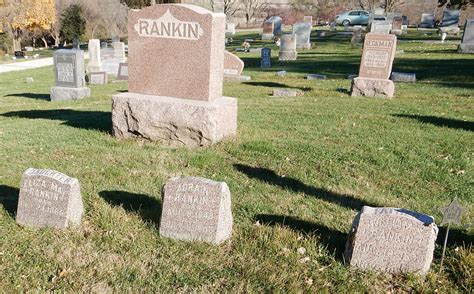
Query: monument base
{"points": [[235, 78], [287, 55], [65, 93], [173, 121], [372, 88], [466, 48], [303, 46], [267, 37]]}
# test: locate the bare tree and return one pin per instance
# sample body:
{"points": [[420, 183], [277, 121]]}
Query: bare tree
{"points": [[254, 9]]}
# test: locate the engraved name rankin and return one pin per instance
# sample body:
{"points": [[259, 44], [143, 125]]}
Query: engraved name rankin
{"points": [[168, 27]]}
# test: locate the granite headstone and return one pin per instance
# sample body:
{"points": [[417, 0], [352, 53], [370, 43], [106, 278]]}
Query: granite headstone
{"points": [[49, 199], [267, 30], [302, 30], [467, 43], [380, 27], [196, 209], [69, 74], [95, 63], [287, 47], [391, 240], [427, 21], [98, 78], [266, 57]]}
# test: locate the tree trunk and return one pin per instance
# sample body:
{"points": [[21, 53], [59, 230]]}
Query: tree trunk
{"points": [[45, 42]]}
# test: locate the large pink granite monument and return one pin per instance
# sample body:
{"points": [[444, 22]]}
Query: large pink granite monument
{"points": [[175, 72]]}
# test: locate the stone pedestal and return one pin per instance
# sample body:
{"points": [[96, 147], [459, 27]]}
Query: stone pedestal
{"points": [[466, 48], [372, 87], [287, 55], [174, 122], [65, 93]]}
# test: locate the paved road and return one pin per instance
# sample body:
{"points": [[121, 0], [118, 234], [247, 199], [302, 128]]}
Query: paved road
{"points": [[30, 64]]}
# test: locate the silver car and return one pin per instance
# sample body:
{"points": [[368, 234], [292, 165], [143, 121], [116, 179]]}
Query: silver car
{"points": [[353, 17]]}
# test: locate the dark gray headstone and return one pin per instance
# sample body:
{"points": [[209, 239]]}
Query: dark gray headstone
{"points": [[76, 44], [467, 43], [427, 20], [450, 18], [196, 209], [69, 68], [277, 24], [391, 240], [266, 58], [49, 199]]}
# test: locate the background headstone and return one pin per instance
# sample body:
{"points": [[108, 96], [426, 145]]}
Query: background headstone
{"points": [[356, 36], [95, 63], [302, 31], [196, 209], [450, 18], [119, 51], [122, 74], [98, 78], [69, 74], [268, 30], [391, 240], [49, 199], [427, 21], [277, 24], [397, 23], [376, 67], [467, 43], [266, 58], [382, 27], [287, 47], [233, 65]]}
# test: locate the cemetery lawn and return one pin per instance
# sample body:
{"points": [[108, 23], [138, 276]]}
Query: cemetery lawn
{"points": [[299, 170]]}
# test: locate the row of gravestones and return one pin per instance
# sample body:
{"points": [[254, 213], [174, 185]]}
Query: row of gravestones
{"points": [[197, 209]]}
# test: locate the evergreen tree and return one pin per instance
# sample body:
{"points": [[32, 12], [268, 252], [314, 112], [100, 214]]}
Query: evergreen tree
{"points": [[73, 23]]}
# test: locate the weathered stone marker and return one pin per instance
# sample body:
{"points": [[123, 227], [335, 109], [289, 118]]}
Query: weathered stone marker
{"points": [[95, 63], [69, 76], [122, 74], [266, 61], [49, 199], [268, 30], [119, 51], [380, 27], [397, 23], [375, 67], [196, 209], [175, 77], [287, 47], [427, 21], [467, 43], [391, 240]]}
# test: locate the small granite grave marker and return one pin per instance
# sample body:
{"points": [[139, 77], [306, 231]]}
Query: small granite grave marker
{"points": [[315, 77], [233, 67], [69, 76], [391, 240], [29, 80], [284, 93], [376, 66], [380, 27], [467, 43], [98, 78], [122, 74], [266, 58], [281, 73], [403, 77], [49, 199], [287, 47], [196, 209]]}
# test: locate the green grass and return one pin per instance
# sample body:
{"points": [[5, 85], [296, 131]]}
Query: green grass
{"points": [[299, 170]]}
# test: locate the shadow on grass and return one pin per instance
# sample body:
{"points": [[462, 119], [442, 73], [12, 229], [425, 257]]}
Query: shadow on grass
{"points": [[89, 120], [457, 237], [334, 240], [270, 177], [30, 95], [147, 207], [9, 199], [441, 121], [275, 85]]}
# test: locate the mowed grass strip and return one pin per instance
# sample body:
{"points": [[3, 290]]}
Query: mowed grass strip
{"points": [[299, 170]]}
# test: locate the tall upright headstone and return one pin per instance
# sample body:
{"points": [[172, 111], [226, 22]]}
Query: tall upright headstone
{"points": [[391, 240], [266, 58], [268, 30], [467, 43], [397, 23], [49, 199], [175, 78], [302, 30], [375, 67], [95, 63], [119, 51], [356, 39], [287, 47], [69, 76], [196, 209]]}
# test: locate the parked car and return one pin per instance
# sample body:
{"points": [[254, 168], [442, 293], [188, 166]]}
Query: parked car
{"points": [[353, 17]]}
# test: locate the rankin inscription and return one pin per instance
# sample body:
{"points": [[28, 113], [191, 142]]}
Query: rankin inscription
{"points": [[49, 199], [196, 209]]}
